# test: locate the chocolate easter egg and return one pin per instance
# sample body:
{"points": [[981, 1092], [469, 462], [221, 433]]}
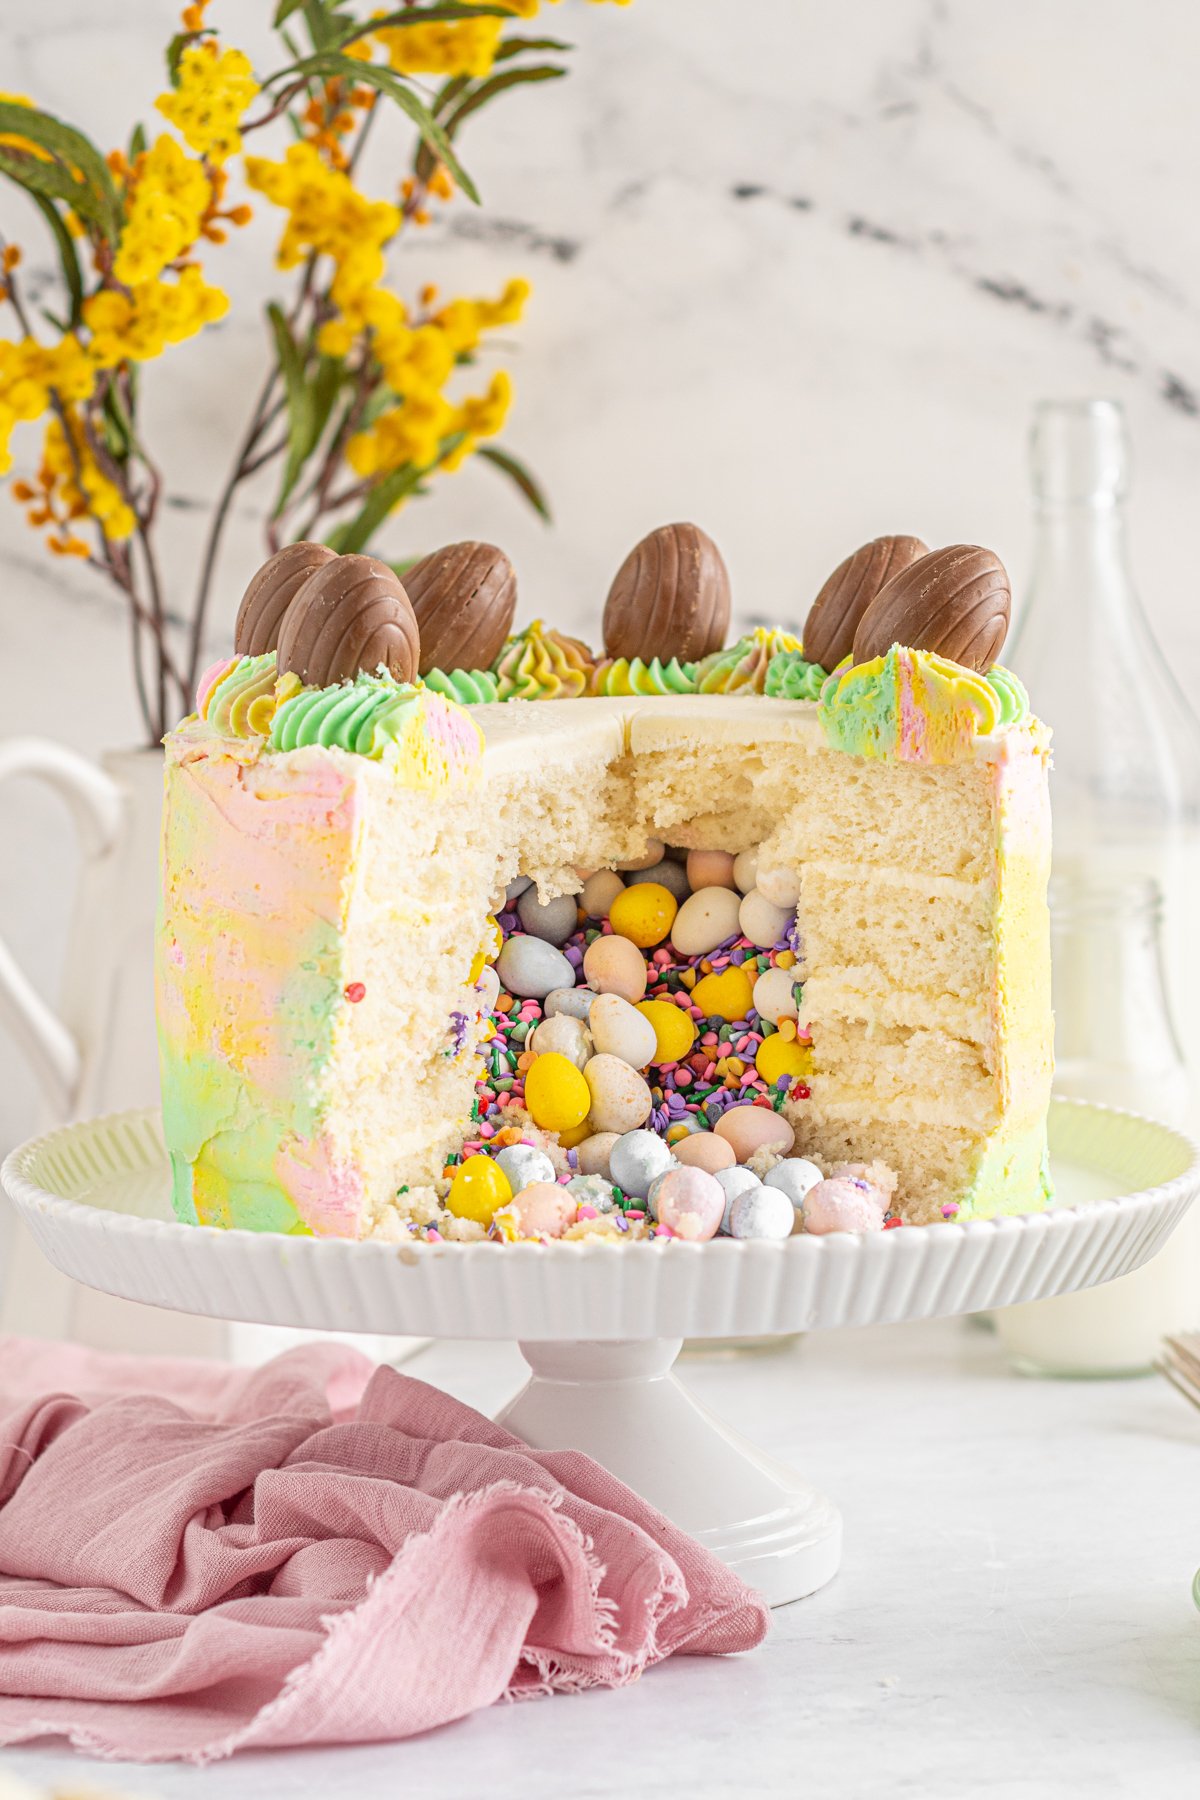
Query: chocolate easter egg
{"points": [[833, 617], [464, 596], [351, 615], [954, 601], [271, 592], [670, 598]]}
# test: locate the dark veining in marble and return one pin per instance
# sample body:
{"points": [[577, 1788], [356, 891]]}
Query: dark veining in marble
{"points": [[514, 231]]}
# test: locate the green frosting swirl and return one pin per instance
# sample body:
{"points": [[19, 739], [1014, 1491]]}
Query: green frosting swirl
{"points": [[364, 716], [242, 702], [1014, 701], [470, 687], [618, 676], [790, 677]]}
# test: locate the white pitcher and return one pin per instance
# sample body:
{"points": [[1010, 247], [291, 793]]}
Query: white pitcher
{"points": [[97, 1052]]}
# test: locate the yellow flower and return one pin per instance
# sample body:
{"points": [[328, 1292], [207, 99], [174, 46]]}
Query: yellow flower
{"points": [[71, 486], [28, 373], [326, 213], [467, 47], [139, 325], [410, 433], [168, 199], [483, 415], [215, 88]]}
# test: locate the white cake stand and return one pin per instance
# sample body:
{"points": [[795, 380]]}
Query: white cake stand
{"points": [[601, 1325]]}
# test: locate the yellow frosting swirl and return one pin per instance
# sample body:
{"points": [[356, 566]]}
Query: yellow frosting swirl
{"points": [[542, 664], [242, 702]]}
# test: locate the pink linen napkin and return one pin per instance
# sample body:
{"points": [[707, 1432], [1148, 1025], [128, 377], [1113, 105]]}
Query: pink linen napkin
{"points": [[196, 1559]]}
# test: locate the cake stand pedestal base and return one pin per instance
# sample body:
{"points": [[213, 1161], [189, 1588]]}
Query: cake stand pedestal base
{"points": [[620, 1403]]}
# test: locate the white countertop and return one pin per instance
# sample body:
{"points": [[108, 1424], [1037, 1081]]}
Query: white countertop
{"points": [[1013, 1616]]}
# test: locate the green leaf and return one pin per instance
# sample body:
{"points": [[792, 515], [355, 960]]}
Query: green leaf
{"points": [[73, 152], [307, 419], [284, 11], [516, 46], [68, 255], [496, 84], [330, 62], [519, 474], [50, 180], [383, 498], [137, 142], [120, 434], [175, 49]]}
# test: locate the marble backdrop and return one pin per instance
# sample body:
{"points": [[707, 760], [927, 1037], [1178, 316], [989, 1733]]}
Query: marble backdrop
{"points": [[800, 270]]}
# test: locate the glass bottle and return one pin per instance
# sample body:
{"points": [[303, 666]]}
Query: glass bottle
{"points": [[1114, 1042], [1125, 784]]}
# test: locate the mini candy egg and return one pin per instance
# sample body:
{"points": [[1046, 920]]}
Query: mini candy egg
{"points": [[599, 892], [761, 1212], [516, 888], [650, 855], [775, 995], [745, 868], [748, 1128], [575, 1002], [778, 1056], [728, 995], [523, 1163], [764, 924], [779, 887], [554, 920], [691, 1203], [710, 868], [595, 1151], [621, 1101], [619, 1029], [644, 914], [704, 1150], [674, 1032], [612, 965], [478, 1187], [733, 1182], [574, 1134], [652, 1193], [840, 1204], [487, 985], [565, 1035], [668, 874], [705, 920], [543, 1209], [531, 968], [593, 1190], [556, 1093], [637, 1159], [795, 1176]]}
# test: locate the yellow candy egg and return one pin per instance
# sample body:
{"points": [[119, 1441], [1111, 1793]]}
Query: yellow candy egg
{"points": [[728, 995], [575, 1134], [478, 1188], [556, 1093], [644, 914], [674, 1032], [777, 1056]]}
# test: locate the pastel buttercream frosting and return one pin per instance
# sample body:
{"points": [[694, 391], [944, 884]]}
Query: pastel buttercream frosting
{"points": [[542, 664], [915, 706], [790, 676], [741, 668], [470, 687], [616, 676]]}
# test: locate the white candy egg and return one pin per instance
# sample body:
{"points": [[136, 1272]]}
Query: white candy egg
{"points": [[619, 1029], [568, 1036], [795, 1176], [780, 886], [734, 1181], [574, 1001], [745, 869], [523, 1163], [761, 1212], [705, 920], [775, 995], [765, 925], [621, 1100], [488, 988], [638, 1158], [531, 968]]}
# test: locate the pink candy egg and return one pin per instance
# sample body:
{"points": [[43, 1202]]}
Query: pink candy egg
{"points": [[613, 965], [842, 1205], [543, 1209], [710, 868], [749, 1127], [690, 1202], [705, 1150]]}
